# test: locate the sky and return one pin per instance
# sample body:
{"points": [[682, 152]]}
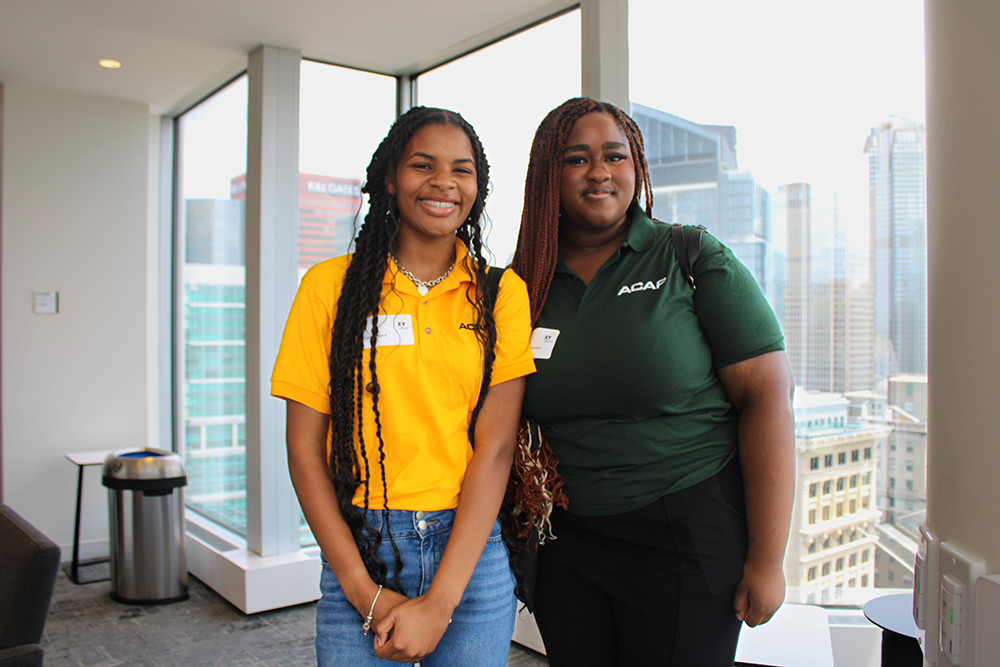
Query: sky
{"points": [[802, 81]]}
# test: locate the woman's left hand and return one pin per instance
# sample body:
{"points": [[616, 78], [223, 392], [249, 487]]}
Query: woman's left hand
{"points": [[411, 630], [760, 593]]}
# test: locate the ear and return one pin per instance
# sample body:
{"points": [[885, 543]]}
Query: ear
{"points": [[389, 185]]}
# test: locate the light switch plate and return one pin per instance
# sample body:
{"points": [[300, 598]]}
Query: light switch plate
{"points": [[965, 570]]}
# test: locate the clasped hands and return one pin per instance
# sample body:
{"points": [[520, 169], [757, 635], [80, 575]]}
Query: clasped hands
{"points": [[408, 629]]}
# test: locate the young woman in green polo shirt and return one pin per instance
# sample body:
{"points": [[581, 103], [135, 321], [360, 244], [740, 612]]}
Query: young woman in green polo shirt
{"points": [[670, 410], [382, 363]]}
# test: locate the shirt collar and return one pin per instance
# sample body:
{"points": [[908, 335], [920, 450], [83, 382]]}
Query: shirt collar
{"points": [[641, 231], [460, 274], [640, 236]]}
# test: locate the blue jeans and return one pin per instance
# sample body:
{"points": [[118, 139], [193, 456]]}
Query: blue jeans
{"points": [[483, 622]]}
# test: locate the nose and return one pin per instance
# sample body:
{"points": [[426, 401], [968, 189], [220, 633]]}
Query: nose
{"points": [[598, 172], [442, 179]]}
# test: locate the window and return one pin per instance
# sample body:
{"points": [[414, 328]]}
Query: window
{"points": [[826, 513], [840, 509], [814, 463], [852, 560], [864, 581], [335, 146], [826, 569], [507, 136], [909, 466], [812, 517], [813, 490], [864, 556], [730, 102], [827, 487], [854, 481], [842, 458], [811, 574], [868, 479], [840, 483], [854, 506], [909, 485], [211, 367], [854, 456], [890, 575]]}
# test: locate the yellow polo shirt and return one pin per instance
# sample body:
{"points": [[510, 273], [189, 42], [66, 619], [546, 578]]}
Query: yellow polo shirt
{"points": [[430, 369]]}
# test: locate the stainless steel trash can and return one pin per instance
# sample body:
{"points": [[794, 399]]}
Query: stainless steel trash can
{"points": [[146, 503]]}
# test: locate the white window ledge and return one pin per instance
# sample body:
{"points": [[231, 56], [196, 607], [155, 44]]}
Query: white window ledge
{"points": [[252, 583]]}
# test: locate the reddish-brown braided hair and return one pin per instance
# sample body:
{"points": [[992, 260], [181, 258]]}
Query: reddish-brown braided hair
{"points": [[538, 239]]}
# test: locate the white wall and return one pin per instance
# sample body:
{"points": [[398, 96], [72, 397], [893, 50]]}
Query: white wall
{"points": [[75, 218]]}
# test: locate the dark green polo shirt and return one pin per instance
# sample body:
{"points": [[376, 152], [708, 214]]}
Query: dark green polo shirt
{"points": [[629, 398]]}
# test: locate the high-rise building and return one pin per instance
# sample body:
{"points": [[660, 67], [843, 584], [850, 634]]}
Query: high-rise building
{"points": [[828, 321], [697, 181], [898, 216], [830, 558]]}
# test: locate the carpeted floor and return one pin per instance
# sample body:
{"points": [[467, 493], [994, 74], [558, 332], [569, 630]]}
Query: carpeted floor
{"points": [[86, 628]]}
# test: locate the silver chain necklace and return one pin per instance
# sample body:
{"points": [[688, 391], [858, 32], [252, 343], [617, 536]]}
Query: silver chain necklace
{"points": [[422, 286]]}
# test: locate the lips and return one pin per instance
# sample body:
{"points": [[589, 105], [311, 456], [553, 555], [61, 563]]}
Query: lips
{"points": [[597, 193]]}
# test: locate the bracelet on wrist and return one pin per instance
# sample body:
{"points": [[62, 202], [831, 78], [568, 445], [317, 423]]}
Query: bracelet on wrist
{"points": [[368, 621]]}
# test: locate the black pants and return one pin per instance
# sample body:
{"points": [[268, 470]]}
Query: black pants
{"points": [[653, 586]]}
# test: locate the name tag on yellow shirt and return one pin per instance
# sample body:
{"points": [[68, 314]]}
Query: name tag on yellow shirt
{"points": [[392, 330]]}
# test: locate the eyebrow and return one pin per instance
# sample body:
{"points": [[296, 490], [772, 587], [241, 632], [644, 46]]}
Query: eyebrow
{"points": [[607, 145], [428, 156]]}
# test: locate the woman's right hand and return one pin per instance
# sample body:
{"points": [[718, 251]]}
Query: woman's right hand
{"points": [[410, 632]]}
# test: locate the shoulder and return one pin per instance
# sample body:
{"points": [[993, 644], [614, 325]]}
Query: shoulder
{"points": [[326, 277]]}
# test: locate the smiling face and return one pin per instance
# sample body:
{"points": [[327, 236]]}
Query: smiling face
{"points": [[598, 175], [434, 182]]}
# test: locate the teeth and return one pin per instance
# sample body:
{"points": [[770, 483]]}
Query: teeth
{"points": [[439, 204]]}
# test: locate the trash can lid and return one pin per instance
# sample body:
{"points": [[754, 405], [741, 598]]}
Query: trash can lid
{"points": [[143, 463]]}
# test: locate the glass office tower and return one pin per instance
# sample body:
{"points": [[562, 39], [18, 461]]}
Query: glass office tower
{"points": [[898, 215]]}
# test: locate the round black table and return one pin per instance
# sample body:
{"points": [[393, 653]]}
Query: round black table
{"points": [[894, 614]]}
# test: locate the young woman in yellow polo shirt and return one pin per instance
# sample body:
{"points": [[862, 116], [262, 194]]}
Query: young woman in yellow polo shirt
{"points": [[382, 363]]}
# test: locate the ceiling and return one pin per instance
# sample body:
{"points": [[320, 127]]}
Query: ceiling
{"points": [[172, 52]]}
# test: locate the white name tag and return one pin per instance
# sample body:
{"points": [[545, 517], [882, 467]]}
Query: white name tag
{"points": [[392, 330], [542, 341]]}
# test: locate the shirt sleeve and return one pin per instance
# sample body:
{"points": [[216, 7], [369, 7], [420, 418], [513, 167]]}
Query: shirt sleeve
{"points": [[513, 321], [736, 318], [302, 368]]}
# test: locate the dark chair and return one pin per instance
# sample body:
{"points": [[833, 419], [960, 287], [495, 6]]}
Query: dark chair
{"points": [[29, 562]]}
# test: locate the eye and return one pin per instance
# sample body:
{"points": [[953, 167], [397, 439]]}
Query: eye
{"points": [[576, 159], [616, 157]]}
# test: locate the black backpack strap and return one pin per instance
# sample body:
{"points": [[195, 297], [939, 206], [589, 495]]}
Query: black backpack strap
{"points": [[687, 253], [493, 276]]}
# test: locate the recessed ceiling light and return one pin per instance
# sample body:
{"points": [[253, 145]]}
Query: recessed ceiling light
{"points": [[109, 63]]}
